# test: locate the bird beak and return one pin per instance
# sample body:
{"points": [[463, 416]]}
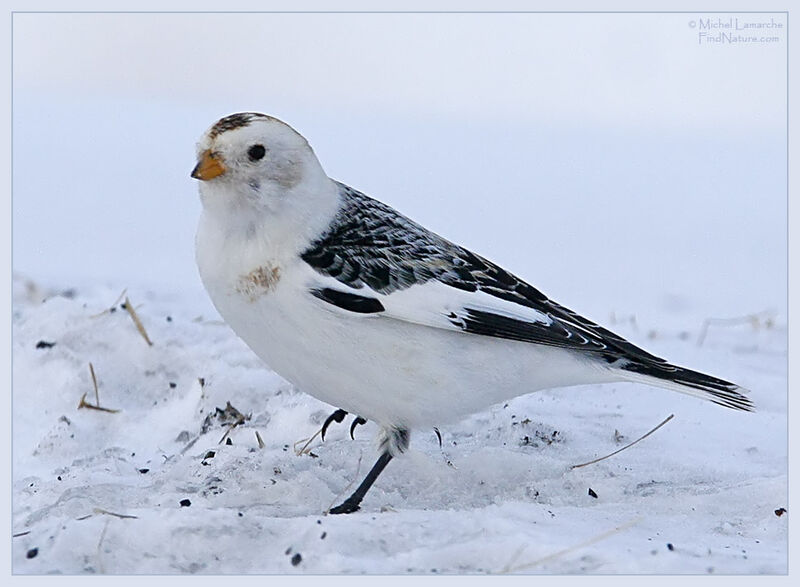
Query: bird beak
{"points": [[208, 167]]}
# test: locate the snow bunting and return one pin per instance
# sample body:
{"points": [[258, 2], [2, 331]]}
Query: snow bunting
{"points": [[368, 311]]}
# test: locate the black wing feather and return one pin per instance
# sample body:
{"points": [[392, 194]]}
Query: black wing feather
{"points": [[370, 244], [348, 301]]}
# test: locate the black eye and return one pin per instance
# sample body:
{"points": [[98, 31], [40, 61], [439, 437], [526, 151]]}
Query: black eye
{"points": [[256, 152]]}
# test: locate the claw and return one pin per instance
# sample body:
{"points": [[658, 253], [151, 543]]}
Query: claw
{"points": [[358, 420], [337, 417]]}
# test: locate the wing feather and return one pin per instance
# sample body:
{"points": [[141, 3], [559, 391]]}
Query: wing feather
{"points": [[370, 246]]}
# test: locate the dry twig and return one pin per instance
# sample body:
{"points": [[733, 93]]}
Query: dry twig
{"points": [[667, 419], [754, 319], [84, 404], [116, 515], [307, 441], [509, 569], [94, 383], [112, 307], [136, 321], [101, 511]]}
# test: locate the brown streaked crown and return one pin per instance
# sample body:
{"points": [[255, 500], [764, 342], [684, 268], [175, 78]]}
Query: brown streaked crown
{"points": [[238, 120]]}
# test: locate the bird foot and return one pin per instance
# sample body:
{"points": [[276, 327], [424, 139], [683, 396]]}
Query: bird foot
{"points": [[337, 417], [358, 420], [346, 507]]}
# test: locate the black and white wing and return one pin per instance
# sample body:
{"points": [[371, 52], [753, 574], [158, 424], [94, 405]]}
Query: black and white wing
{"points": [[372, 248], [373, 260]]}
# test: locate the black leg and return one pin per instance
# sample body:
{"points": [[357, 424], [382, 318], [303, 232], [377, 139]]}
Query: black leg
{"points": [[352, 503], [337, 417]]}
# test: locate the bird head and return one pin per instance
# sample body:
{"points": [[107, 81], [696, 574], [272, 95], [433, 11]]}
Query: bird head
{"points": [[254, 155], [257, 170]]}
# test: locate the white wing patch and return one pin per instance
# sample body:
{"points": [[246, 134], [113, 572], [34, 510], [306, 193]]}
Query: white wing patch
{"points": [[435, 304]]}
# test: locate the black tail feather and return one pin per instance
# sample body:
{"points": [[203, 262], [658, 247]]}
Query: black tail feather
{"points": [[694, 383]]}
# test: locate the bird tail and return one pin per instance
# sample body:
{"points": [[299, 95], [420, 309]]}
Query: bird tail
{"points": [[689, 382]]}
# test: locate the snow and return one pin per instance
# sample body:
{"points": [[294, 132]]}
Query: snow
{"points": [[697, 497]]}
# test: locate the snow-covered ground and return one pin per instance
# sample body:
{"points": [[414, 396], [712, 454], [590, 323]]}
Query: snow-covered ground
{"points": [[151, 489]]}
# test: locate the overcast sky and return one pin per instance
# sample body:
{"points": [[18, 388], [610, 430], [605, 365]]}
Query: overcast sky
{"points": [[613, 149], [627, 68]]}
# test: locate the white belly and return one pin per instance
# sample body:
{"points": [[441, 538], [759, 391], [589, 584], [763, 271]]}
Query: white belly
{"points": [[392, 372]]}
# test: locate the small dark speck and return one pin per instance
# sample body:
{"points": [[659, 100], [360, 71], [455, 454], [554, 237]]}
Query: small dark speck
{"points": [[43, 344], [185, 503], [123, 306], [143, 471], [670, 547], [324, 534], [296, 559], [288, 551], [780, 511], [241, 515], [173, 385], [592, 493], [112, 309], [59, 477], [209, 455], [169, 318], [229, 442], [32, 553]]}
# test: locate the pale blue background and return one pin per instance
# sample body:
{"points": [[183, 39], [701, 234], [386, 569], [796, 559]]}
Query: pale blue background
{"points": [[610, 159]]}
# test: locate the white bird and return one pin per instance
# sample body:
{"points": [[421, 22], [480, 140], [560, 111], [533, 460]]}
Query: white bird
{"points": [[364, 309]]}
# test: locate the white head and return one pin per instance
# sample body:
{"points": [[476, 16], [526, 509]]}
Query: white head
{"points": [[258, 171]]}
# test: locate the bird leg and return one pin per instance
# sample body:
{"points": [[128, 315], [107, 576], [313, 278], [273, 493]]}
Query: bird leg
{"points": [[352, 503], [337, 417], [395, 440]]}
